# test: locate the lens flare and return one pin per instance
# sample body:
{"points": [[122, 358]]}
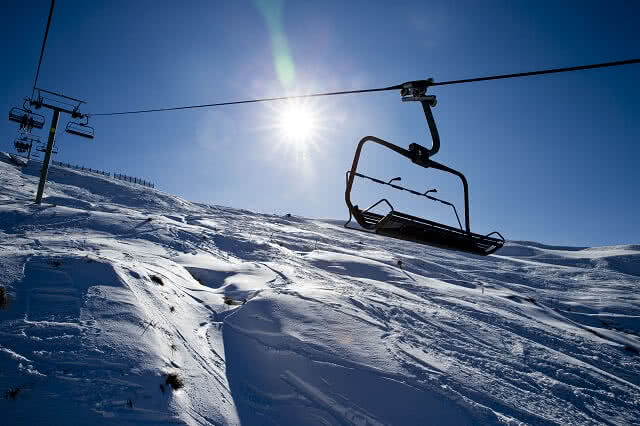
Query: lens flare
{"points": [[272, 11]]}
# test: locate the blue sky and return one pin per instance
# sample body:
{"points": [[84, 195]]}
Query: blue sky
{"points": [[551, 159]]}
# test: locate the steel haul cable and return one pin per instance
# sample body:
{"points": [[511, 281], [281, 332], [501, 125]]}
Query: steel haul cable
{"points": [[44, 43], [381, 89]]}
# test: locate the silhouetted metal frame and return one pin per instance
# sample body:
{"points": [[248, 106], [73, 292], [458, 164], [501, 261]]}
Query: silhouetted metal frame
{"points": [[419, 155]]}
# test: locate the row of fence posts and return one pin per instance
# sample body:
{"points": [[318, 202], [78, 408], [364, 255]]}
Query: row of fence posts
{"points": [[88, 169], [103, 173], [133, 180]]}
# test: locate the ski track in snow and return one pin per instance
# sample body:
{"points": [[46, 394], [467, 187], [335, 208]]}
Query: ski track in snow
{"points": [[284, 320]]}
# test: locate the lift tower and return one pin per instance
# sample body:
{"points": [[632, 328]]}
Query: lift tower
{"points": [[58, 104]]}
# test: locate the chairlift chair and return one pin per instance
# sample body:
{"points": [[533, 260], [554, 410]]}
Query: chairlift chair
{"points": [[25, 142], [21, 147], [407, 227], [26, 118], [80, 129]]}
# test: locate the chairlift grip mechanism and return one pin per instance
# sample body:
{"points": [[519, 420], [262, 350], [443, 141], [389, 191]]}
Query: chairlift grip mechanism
{"points": [[416, 91]]}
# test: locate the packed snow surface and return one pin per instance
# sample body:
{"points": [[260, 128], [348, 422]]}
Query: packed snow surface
{"points": [[278, 320]]}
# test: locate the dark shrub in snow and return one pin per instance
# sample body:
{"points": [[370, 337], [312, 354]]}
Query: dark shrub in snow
{"points": [[4, 298], [176, 382], [156, 279]]}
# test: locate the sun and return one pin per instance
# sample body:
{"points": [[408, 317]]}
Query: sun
{"points": [[295, 130], [297, 122]]}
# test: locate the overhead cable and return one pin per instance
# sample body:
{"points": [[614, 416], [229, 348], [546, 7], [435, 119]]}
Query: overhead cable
{"points": [[44, 43], [380, 89]]}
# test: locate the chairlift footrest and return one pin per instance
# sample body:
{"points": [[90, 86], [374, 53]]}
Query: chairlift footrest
{"points": [[418, 230]]}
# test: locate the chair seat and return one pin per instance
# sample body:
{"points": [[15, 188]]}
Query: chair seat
{"points": [[411, 228]]}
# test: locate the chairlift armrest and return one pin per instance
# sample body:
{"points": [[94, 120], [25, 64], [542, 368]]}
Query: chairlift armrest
{"points": [[375, 204], [497, 233]]}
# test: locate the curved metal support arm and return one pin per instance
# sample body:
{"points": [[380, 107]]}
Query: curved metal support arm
{"points": [[497, 233], [435, 136]]}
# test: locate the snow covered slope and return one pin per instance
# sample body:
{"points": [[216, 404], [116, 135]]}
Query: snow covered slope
{"points": [[274, 320]]}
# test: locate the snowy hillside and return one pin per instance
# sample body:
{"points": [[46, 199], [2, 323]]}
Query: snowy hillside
{"points": [[114, 289]]}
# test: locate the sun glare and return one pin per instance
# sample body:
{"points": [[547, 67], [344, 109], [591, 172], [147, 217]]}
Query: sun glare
{"points": [[297, 123], [296, 129]]}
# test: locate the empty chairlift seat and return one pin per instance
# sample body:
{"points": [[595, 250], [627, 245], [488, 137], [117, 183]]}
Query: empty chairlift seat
{"points": [[408, 227], [423, 231], [80, 129]]}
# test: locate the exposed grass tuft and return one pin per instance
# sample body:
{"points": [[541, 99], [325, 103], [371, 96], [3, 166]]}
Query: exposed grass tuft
{"points": [[156, 279], [176, 382], [230, 301], [4, 298], [12, 393]]}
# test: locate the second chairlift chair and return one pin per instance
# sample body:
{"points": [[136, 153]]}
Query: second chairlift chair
{"points": [[403, 226], [26, 118], [80, 129]]}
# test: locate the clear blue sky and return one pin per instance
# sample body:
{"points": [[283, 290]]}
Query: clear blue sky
{"points": [[552, 159]]}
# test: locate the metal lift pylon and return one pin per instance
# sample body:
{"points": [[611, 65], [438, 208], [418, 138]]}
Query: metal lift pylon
{"points": [[58, 104]]}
